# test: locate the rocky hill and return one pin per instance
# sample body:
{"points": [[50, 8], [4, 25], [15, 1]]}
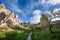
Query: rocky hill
{"points": [[7, 18]]}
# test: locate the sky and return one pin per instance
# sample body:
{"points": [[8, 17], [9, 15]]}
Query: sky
{"points": [[30, 10]]}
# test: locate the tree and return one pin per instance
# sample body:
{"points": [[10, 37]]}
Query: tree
{"points": [[51, 15]]}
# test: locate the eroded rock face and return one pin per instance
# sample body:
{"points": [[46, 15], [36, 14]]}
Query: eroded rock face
{"points": [[43, 20], [2, 16], [7, 17]]}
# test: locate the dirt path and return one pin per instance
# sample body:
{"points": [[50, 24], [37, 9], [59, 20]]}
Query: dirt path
{"points": [[29, 37]]}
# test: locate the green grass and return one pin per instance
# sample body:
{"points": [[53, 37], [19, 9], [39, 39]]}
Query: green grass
{"points": [[16, 34], [44, 34], [22, 36], [2, 34]]}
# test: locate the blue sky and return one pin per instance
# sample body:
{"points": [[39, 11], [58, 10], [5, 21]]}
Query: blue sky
{"points": [[30, 10]]}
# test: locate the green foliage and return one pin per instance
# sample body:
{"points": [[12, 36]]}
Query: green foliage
{"points": [[14, 35], [2, 34], [22, 36], [44, 34]]}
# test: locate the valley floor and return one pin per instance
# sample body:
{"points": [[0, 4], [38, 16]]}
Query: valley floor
{"points": [[42, 33]]}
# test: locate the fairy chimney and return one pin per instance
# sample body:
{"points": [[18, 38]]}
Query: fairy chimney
{"points": [[9, 19], [43, 20], [2, 6]]}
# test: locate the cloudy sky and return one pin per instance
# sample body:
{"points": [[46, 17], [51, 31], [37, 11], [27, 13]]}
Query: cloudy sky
{"points": [[30, 10]]}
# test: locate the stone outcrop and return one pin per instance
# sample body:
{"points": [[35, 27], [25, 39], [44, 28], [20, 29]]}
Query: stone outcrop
{"points": [[7, 18], [43, 20]]}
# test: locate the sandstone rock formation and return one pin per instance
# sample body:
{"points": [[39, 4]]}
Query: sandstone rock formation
{"points": [[43, 20], [7, 18]]}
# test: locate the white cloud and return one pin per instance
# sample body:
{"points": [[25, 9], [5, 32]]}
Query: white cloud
{"points": [[43, 2], [37, 3], [55, 19], [17, 9], [36, 12], [51, 2], [36, 18], [13, 6], [56, 10], [48, 3]]}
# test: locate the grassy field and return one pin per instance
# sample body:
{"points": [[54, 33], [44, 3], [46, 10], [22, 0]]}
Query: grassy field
{"points": [[44, 33], [16, 34]]}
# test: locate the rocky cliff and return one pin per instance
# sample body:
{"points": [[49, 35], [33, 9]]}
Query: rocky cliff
{"points": [[43, 20], [7, 18]]}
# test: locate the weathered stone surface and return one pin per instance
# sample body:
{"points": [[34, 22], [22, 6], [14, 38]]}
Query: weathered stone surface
{"points": [[9, 19], [43, 20]]}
